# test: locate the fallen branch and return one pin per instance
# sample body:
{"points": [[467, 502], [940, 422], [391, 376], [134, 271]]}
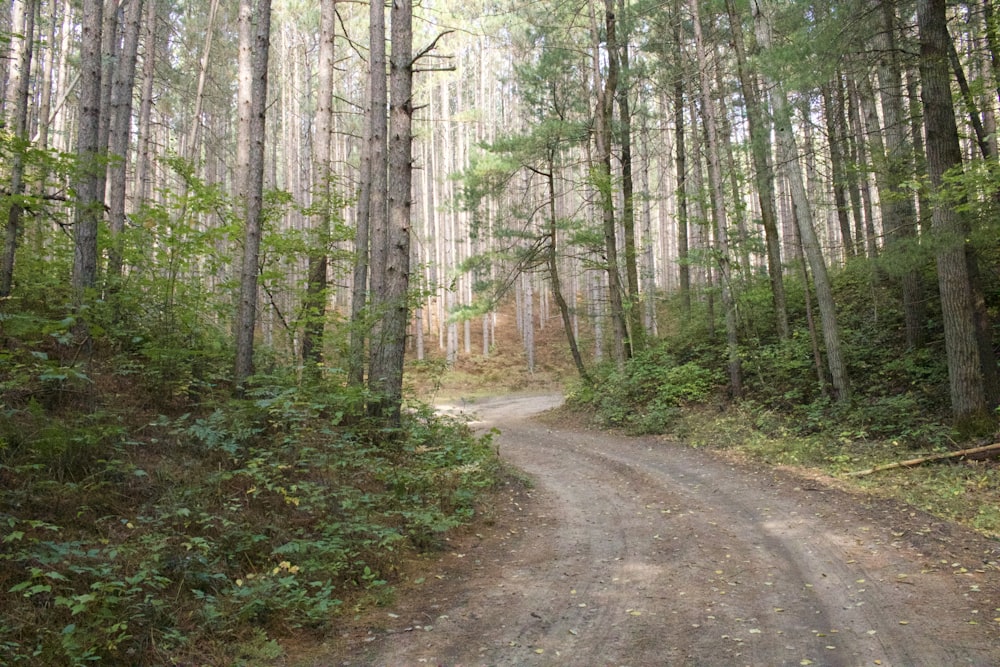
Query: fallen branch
{"points": [[925, 459]]}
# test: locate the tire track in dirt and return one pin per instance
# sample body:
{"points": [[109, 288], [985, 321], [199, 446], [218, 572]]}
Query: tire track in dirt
{"points": [[640, 552]]}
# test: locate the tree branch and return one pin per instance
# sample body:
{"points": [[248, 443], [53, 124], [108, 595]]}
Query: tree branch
{"points": [[430, 47], [925, 459]]}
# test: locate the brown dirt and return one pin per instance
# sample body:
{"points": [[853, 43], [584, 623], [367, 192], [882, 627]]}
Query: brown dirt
{"points": [[640, 552]]}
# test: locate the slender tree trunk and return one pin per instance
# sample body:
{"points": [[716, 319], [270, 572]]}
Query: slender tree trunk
{"points": [[788, 156], [683, 260], [42, 133], [648, 275], [864, 217], [760, 147], [718, 207], [110, 47], [899, 216], [22, 40], [316, 288], [833, 115], [89, 195], [554, 280], [821, 381], [142, 187], [968, 98], [966, 367], [254, 32], [369, 239], [120, 133], [388, 357], [634, 313], [993, 42], [528, 320], [603, 116], [63, 82]]}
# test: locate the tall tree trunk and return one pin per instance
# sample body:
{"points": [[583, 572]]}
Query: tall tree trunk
{"points": [[648, 275], [760, 146], [316, 297], [389, 349], [554, 280], [718, 206], [993, 42], [110, 46], [254, 33], [371, 214], [22, 40], [89, 195], [144, 159], [788, 156], [966, 367], [971, 108], [528, 320], [834, 117], [860, 193], [603, 117], [634, 313], [919, 157], [683, 259], [120, 133], [810, 317], [42, 133], [899, 216]]}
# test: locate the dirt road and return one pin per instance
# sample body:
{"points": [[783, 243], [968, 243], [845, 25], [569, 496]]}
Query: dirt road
{"points": [[640, 552]]}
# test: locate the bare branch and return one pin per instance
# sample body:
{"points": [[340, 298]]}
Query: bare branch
{"points": [[430, 47]]}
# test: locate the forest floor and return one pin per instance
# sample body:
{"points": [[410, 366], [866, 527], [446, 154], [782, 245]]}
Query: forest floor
{"points": [[639, 551]]}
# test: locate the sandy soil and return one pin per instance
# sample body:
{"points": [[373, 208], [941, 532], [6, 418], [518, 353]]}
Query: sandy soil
{"points": [[640, 552]]}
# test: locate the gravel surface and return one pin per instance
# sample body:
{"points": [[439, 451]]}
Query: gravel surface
{"points": [[640, 552]]}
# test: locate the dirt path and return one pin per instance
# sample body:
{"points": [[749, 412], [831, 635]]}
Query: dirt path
{"points": [[639, 552]]}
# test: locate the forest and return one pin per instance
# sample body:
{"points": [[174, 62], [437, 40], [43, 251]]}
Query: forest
{"points": [[247, 243]]}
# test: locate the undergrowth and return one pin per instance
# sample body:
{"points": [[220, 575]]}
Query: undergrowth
{"points": [[898, 410], [148, 519]]}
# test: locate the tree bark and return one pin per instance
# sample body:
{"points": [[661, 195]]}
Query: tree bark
{"points": [[120, 133], [683, 260], [760, 151], [89, 197], [254, 33], [634, 313], [718, 207], [371, 214], [603, 115], [554, 280], [864, 234], [969, 398], [21, 49], [834, 116], [899, 216], [144, 159], [788, 156], [387, 361], [314, 305]]}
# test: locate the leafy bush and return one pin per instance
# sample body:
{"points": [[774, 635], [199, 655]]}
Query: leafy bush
{"points": [[647, 394], [185, 536]]}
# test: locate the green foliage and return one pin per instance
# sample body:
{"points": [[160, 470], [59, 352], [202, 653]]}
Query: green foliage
{"points": [[647, 395], [148, 519], [900, 394]]}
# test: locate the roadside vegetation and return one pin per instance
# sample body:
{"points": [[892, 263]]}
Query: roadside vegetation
{"points": [[149, 518], [899, 409]]}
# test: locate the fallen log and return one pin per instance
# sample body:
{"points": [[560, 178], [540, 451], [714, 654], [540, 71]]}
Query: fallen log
{"points": [[925, 459]]}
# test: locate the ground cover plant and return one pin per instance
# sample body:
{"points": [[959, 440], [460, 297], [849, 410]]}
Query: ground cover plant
{"points": [[148, 518], [900, 411]]}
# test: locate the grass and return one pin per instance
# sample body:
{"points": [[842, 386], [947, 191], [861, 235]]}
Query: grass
{"points": [[964, 491]]}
